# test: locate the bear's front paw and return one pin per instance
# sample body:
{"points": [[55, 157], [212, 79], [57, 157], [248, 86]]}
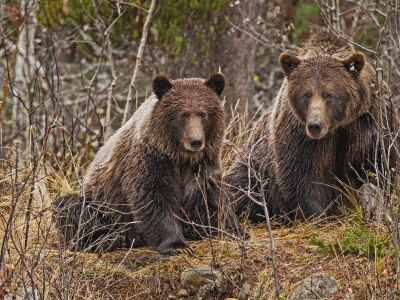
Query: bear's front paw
{"points": [[188, 250], [175, 249]]}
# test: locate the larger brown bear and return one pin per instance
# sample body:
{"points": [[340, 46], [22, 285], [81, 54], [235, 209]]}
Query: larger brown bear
{"points": [[161, 167], [321, 129]]}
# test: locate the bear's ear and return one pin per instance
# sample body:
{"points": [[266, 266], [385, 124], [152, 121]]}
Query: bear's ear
{"points": [[161, 85], [288, 63], [355, 63], [216, 82]]}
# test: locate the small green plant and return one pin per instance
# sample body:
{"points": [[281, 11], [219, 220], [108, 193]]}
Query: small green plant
{"points": [[318, 242], [358, 238]]}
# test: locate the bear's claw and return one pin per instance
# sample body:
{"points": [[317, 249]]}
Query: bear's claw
{"points": [[188, 250]]}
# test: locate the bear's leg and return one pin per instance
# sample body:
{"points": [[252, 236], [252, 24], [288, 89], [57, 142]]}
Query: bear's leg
{"points": [[68, 211], [207, 206], [236, 185], [97, 229], [201, 209], [155, 199], [157, 223]]}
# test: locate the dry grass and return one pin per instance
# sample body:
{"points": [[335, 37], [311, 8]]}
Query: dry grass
{"points": [[302, 249], [144, 274]]}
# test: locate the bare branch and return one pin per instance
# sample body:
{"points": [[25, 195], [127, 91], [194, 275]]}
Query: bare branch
{"points": [[138, 60]]}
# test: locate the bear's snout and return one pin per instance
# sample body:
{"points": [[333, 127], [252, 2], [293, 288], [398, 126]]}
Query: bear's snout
{"points": [[314, 127], [317, 123], [194, 137], [196, 142]]}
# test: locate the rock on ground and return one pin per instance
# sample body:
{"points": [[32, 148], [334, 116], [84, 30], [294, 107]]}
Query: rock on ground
{"points": [[371, 198], [246, 292], [8, 296], [183, 294], [314, 287], [196, 277]]}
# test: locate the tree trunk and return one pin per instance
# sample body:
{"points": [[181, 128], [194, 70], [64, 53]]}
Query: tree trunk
{"points": [[233, 51], [24, 74]]}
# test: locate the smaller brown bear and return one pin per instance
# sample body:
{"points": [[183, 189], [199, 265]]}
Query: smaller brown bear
{"points": [[320, 132], [161, 167]]}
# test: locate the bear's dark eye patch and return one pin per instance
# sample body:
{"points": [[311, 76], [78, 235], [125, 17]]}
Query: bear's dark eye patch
{"points": [[306, 95], [328, 96]]}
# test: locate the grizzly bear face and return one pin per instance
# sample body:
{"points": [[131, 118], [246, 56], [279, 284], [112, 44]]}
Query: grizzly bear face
{"points": [[188, 118], [325, 93]]}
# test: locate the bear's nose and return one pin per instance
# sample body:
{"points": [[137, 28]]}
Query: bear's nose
{"points": [[196, 142], [314, 127]]}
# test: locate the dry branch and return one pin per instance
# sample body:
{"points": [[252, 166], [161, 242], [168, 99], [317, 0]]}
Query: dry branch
{"points": [[110, 91], [138, 60], [13, 57]]}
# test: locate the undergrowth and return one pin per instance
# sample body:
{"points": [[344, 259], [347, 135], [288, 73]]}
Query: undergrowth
{"points": [[358, 238]]}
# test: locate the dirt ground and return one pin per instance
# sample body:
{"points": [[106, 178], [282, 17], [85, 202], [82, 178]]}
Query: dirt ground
{"points": [[358, 255], [144, 274]]}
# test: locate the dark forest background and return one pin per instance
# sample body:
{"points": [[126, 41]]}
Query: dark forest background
{"points": [[73, 61], [73, 71]]}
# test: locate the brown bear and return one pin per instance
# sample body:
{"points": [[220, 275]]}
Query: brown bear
{"points": [[320, 135], [158, 170]]}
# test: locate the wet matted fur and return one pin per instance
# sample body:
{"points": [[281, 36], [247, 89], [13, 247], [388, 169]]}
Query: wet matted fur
{"points": [[162, 165], [330, 85]]}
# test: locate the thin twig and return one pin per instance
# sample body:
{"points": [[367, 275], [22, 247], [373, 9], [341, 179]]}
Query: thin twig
{"points": [[110, 90], [138, 60], [337, 33]]}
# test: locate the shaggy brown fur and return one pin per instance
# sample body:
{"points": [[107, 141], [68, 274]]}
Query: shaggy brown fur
{"points": [[162, 164], [320, 130]]}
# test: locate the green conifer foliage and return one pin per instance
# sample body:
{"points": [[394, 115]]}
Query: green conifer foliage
{"points": [[171, 20]]}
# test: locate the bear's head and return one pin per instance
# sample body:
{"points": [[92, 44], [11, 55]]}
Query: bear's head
{"points": [[188, 118], [324, 92]]}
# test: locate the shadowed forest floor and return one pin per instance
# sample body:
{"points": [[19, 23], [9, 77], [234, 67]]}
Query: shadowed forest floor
{"points": [[356, 254], [336, 247]]}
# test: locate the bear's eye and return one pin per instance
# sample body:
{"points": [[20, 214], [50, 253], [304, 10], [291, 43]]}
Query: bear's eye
{"points": [[183, 116], [328, 97], [203, 115], [306, 95]]}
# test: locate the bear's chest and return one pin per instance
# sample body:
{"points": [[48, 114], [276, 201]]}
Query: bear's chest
{"points": [[189, 181], [196, 181]]}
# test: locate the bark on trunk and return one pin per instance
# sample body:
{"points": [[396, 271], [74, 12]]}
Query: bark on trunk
{"points": [[24, 74], [233, 51]]}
